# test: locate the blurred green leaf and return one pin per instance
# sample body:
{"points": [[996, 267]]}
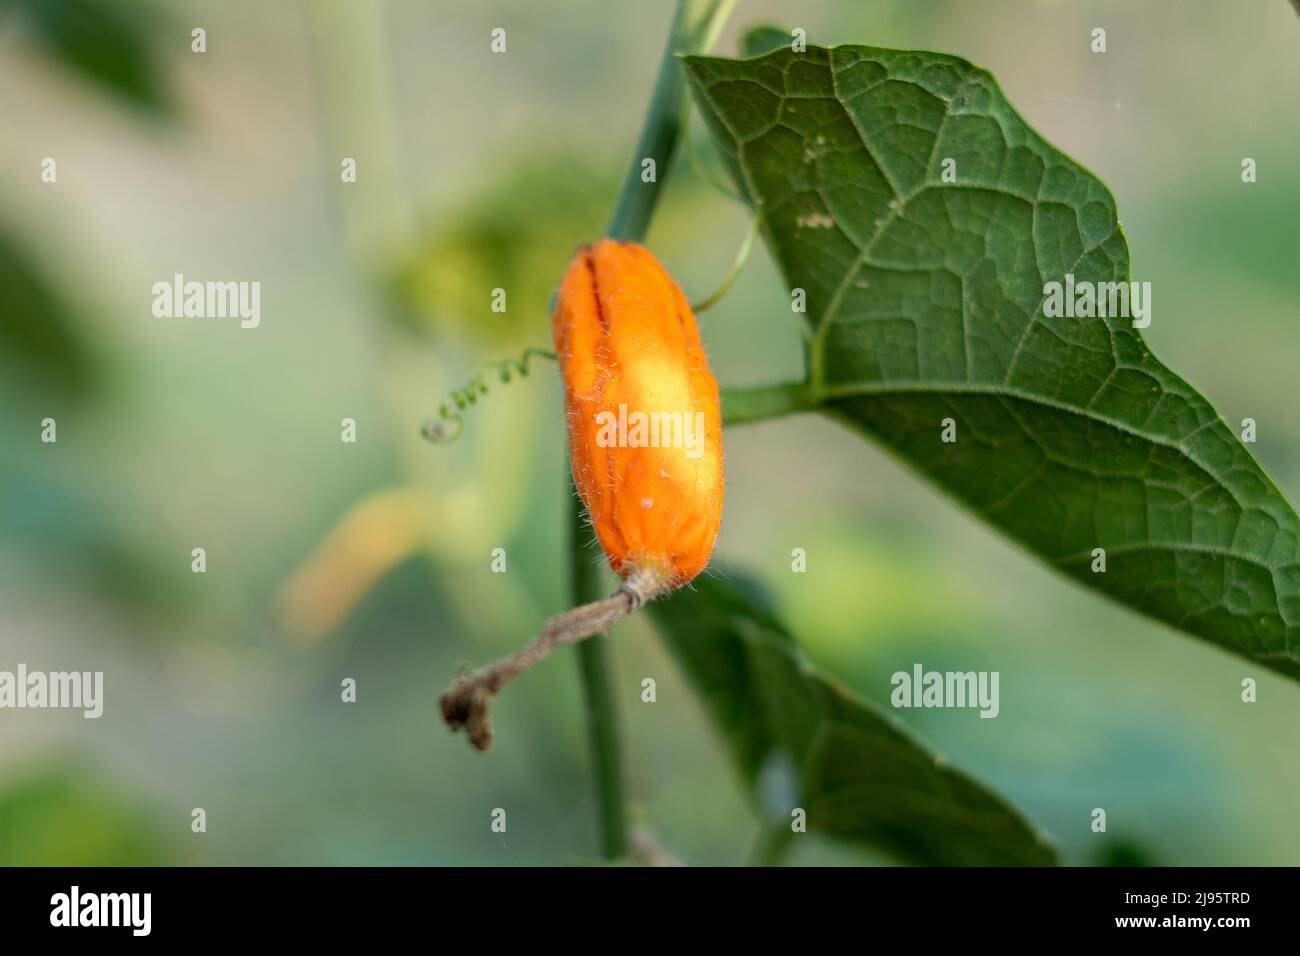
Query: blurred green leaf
{"points": [[38, 337], [108, 42], [802, 740], [515, 233], [61, 816], [924, 303], [63, 526]]}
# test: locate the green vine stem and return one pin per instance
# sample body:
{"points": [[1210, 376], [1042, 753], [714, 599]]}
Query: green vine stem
{"points": [[596, 672], [741, 406], [695, 26]]}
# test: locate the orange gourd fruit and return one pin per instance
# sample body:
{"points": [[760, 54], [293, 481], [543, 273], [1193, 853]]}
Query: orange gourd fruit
{"points": [[645, 425], [645, 444]]}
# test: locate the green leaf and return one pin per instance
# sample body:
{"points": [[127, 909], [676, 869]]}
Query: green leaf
{"points": [[802, 740], [925, 303]]}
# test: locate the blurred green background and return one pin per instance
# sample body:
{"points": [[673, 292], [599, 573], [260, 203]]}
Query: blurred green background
{"points": [[372, 561]]}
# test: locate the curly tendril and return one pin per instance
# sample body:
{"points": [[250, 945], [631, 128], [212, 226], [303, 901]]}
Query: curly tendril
{"points": [[447, 426]]}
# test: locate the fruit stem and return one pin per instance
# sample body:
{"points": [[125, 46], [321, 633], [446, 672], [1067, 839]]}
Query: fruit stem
{"points": [[465, 705]]}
